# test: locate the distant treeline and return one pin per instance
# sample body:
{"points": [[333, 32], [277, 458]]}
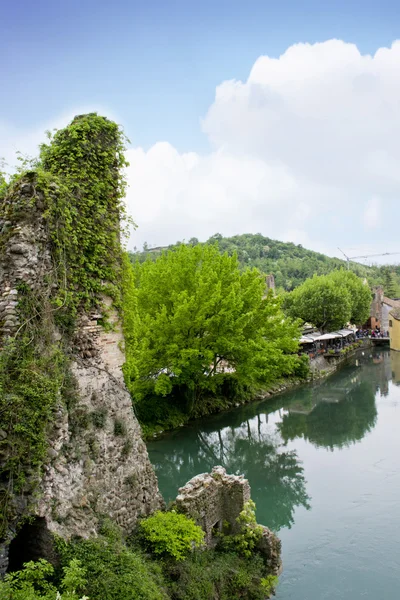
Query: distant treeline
{"points": [[290, 264]]}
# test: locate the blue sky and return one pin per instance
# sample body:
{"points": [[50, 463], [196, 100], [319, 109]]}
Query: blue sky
{"points": [[155, 67], [156, 63]]}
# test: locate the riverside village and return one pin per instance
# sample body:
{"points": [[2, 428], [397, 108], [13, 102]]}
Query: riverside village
{"points": [[185, 414]]}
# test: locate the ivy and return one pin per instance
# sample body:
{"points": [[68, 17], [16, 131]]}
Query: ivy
{"points": [[33, 376], [87, 215], [76, 188]]}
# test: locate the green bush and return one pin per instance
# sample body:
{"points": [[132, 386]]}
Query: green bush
{"points": [[302, 367], [113, 571], [212, 574], [171, 534], [244, 542], [32, 582], [99, 417]]}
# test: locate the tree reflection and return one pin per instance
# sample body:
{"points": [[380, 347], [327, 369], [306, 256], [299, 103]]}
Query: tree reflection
{"points": [[335, 422], [276, 477]]}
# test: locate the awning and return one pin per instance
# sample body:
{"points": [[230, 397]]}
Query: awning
{"points": [[345, 332], [329, 336], [306, 340], [313, 336]]}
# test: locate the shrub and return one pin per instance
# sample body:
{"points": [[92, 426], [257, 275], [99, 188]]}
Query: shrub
{"points": [[113, 571], [244, 542], [171, 534], [221, 575], [99, 417], [302, 367], [32, 582]]}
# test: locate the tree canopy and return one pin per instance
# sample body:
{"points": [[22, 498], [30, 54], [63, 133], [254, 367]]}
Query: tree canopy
{"points": [[291, 264], [199, 320], [330, 301]]}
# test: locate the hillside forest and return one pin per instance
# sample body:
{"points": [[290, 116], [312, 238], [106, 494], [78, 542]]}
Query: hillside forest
{"points": [[290, 264]]}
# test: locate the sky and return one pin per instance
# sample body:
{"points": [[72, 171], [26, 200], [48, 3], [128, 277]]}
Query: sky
{"points": [[243, 117]]}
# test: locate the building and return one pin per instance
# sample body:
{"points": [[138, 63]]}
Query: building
{"points": [[381, 306], [394, 329]]}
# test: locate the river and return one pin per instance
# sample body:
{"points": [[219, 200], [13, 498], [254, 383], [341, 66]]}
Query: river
{"points": [[323, 464]]}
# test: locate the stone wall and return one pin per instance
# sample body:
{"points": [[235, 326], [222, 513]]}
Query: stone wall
{"points": [[216, 498], [211, 499], [97, 463]]}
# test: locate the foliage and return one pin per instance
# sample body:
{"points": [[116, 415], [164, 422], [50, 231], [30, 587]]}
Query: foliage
{"points": [[222, 575], [359, 291], [391, 283], [197, 315], [32, 583], [269, 583], [330, 301], [77, 187], [171, 534], [105, 568], [114, 571], [245, 541], [290, 264], [86, 160], [33, 374]]}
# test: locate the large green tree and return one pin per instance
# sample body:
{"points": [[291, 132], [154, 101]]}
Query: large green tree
{"points": [[360, 294], [330, 301], [390, 283], [197, 313]]}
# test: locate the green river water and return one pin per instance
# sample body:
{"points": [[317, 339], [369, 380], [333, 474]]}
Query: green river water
{"points": [[323, 464]]}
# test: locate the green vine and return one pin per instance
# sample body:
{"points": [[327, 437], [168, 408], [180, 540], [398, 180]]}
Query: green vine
{"points": [[33, 377], [86, 161], [77, 188]]}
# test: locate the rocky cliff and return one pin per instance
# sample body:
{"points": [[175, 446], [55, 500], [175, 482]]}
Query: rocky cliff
{"points": [[83, 458]]}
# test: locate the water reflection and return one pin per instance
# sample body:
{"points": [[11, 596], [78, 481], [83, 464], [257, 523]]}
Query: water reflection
{"points": [[254, 439], [332, 418], [253, 448]]}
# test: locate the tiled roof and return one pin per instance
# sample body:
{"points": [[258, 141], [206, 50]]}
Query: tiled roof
{"points": [[390, 302], [395, 313]]}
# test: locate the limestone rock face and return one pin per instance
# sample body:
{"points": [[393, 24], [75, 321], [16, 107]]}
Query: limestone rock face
{"points": [[103, 469], [97, 463]]}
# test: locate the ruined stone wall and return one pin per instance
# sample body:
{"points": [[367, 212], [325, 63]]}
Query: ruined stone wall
{"points": [[215, 499], [97, 463]]}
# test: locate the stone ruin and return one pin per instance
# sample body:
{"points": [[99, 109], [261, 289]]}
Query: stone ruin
{"points": [[213, 499]]}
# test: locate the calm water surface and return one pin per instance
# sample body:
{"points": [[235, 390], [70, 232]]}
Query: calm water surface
{"points": [[323, 462]]}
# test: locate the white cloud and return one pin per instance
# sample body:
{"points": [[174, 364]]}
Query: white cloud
{"points": [[301, 151], [307, 149]]}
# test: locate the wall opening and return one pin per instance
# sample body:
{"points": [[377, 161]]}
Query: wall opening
{"points": [[216, 528], [33, 541]]}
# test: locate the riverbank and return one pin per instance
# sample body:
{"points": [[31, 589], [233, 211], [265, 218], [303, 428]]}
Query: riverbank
{"points": [[320, 367]]}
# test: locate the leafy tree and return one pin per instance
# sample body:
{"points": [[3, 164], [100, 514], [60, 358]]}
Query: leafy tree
{"points": [[359, 291], [390, 283], [330, 301], [197, 313], [113, 571], [322, 302]]}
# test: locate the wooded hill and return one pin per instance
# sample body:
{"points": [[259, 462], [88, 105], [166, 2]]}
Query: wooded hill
{"points": [[290, 264]]}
